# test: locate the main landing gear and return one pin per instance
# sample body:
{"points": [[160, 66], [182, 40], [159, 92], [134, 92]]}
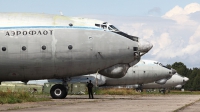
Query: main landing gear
{"points": [[59, 91], [139, 88]]}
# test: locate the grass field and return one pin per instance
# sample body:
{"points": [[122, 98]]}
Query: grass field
{"points": [[19, 97], [124, 91]]}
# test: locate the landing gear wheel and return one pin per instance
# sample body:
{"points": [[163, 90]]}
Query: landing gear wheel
{"points": [[140, 88], [58, 91], [162, 91]]}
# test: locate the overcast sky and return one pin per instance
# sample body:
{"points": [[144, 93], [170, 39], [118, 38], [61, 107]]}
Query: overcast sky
{"points": [[172, 26]]}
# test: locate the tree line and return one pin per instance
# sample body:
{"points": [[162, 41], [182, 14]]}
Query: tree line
{"points": [[192, 73]]}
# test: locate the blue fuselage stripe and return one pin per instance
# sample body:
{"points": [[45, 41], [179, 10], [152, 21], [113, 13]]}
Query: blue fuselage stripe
{"points": [[50, 27]]}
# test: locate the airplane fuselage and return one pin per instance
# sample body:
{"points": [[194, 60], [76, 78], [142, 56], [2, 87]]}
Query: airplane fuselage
{"points": [[145, 71], [176, 81], [39, 46], [140, 74]]}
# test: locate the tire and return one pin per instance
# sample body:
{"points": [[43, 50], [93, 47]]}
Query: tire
{"points": [[58, 91]]}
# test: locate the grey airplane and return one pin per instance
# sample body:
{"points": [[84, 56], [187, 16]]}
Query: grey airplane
{"points": [[145, 71], [44, 46], [176, 81]]}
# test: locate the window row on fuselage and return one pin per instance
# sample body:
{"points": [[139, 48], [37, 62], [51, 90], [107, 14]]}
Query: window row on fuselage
{"points": [[24, 48]]}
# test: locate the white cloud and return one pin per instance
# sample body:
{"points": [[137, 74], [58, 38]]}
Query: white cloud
{"points": [[181, 15], [147, 33], [196, 37], [173, 12], [177, 42], [175, 36], [191, 49], [160, 43], [164, 40], [191, 8], [194, 43]]}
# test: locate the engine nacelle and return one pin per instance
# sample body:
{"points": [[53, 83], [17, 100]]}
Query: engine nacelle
{"points": [[178, 86], [161, 81], [116, 71]]}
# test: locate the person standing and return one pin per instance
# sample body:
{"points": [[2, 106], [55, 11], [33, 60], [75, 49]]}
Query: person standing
{"points": [[90, 92]]}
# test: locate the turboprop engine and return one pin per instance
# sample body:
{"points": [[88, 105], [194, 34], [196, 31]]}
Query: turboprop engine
{"points": [[178, 86], [116, 71], [161, 81]]}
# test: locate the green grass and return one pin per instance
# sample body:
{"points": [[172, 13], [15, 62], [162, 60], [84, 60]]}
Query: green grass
{"points": [[125, 91], [19, 97], [185, 92], [173, 92]]}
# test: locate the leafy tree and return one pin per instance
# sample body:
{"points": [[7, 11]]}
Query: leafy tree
{"points": [[196, 83], [180, 68], [169, 66], [193, 75], [190, 85]]}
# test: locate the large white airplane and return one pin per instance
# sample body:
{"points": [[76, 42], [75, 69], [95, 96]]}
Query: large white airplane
{"points": [[176, 81], [145, 71], [43, 46]]}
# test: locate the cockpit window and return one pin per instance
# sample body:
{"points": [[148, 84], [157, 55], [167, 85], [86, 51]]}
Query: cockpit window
{"points": [[113, 28], [104, 26], [161, 64], [98, 25], [107, 27], [155, 62]]}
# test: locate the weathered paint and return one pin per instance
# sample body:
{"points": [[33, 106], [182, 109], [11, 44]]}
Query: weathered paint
{"points": [[170, 83], [93, 49], [145, 71]]}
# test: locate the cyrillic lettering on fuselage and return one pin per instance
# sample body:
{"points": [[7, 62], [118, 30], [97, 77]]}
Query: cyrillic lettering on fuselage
{"points": [[31, 32]]}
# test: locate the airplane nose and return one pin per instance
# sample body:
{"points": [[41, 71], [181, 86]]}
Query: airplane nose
{"points": [[144, 46], [185, 79]]}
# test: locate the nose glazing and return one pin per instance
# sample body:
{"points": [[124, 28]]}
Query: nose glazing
{"points": [[144, 46]]}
